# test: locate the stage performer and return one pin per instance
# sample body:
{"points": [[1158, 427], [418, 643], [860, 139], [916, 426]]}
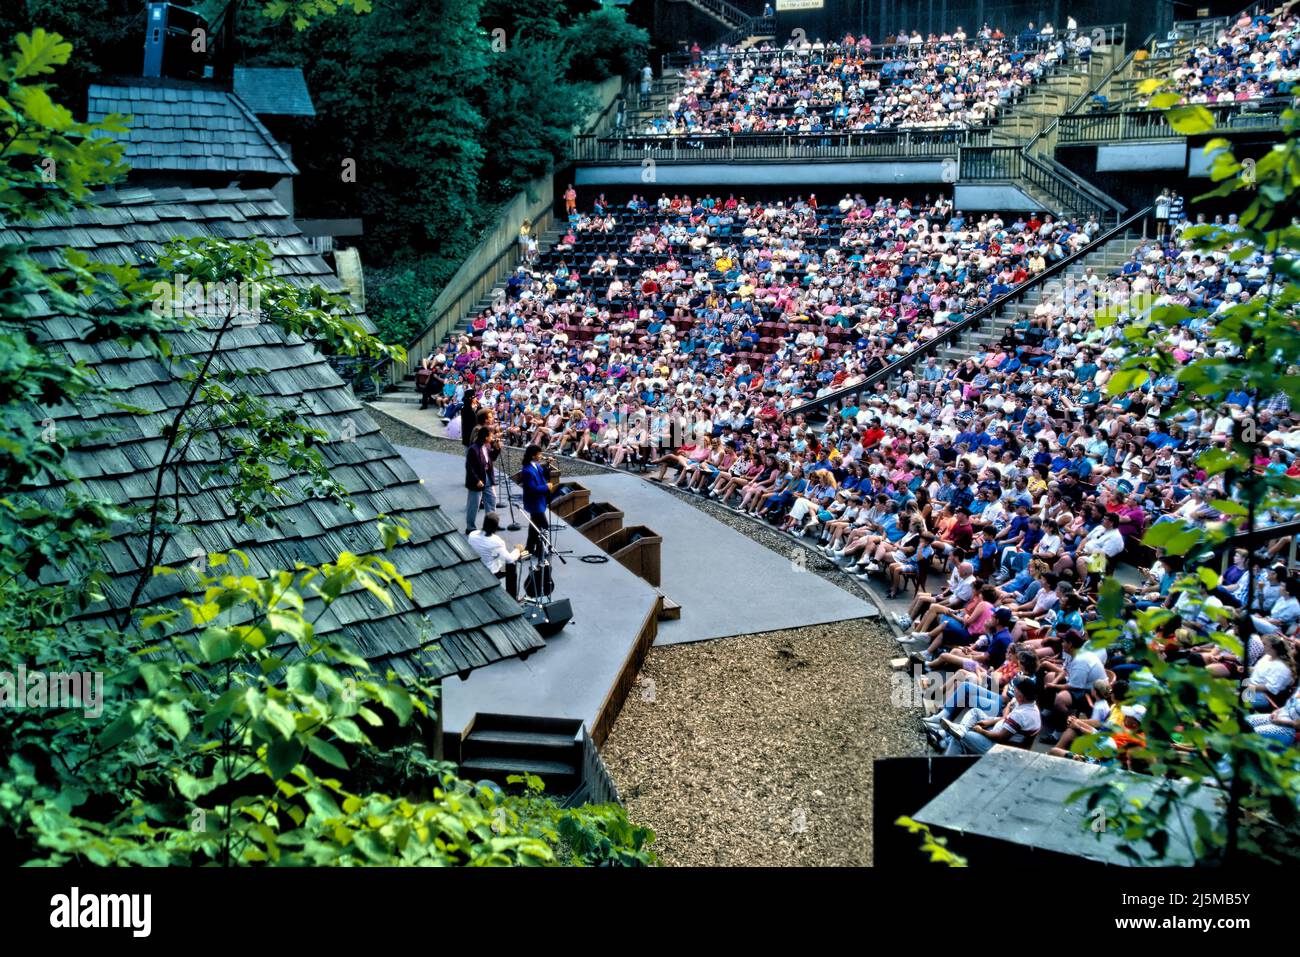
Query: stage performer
{"points": [[537, 493]]}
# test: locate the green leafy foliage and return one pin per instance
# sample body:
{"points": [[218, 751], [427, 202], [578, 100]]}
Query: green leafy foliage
{"points": [[935, 848], [1198, 741], [228, 729]]}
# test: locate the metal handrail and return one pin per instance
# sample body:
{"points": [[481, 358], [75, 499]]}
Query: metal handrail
{"points": [[1061, 172], [1077, 182], [780, 146], [1012, 163], [680, 59], [971, 322], [1123, 65], [754, 26], [1148, 124]]}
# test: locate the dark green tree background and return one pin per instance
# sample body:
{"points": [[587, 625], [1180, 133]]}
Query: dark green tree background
{"points": [[448, 108]]}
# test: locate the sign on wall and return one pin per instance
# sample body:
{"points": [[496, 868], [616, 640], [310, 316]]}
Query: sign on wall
{"points": [[785, 6]]}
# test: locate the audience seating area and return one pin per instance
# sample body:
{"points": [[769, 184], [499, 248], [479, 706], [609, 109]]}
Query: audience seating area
{"points": [[677, 337], [946, 82], [1256, 57], [682, 337]]}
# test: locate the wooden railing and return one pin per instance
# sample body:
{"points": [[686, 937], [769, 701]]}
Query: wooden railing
{"points": [[1011, 164], [1119, 125], [968, 324], [492, 260], [597, 786], [1262, 535], [501, 254], [695, 148], [1108, 33]]}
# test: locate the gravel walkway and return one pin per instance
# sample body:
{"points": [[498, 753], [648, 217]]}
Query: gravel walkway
{"points": [[758, 749]]}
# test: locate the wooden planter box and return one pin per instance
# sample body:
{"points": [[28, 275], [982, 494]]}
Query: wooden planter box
{"points": [[597, 520], [636, 548], [577, 497]]}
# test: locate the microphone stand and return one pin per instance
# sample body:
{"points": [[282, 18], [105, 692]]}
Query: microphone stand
{"points": [[504, 493], [555, 527], [540, 596], [547, 547]]}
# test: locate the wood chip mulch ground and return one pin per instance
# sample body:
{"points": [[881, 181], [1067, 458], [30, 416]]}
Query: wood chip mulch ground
{"points": [[757, 749]]}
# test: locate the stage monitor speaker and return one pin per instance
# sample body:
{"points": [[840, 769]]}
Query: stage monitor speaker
{"points": [[551, 618]]}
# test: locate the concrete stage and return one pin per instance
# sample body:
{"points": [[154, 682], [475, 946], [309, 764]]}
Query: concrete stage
{"points": [[726, 583]]}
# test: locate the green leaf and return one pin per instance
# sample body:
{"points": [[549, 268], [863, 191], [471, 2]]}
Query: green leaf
{"points": [[122, 728], [39, 53], [219, 644], [397, 700], [282, 756], [327, 752], [1190, 120], [174, 716], [280, 718]]}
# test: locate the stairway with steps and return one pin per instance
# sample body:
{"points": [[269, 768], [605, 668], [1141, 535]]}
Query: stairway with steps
{"points": [[404, 391], [1054, 95], [1045, 100], [723, 12], [1030, 127], [497, 746], [1103, 261]]}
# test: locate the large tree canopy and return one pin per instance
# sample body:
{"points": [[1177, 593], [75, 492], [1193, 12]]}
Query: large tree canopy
{"points": [[447, 107]]}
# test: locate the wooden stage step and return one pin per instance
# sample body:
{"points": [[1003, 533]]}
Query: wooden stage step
{"points": [[669, 610]]}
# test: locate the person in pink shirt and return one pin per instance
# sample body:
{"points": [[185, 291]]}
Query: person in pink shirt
{"points": [[964, 629]]}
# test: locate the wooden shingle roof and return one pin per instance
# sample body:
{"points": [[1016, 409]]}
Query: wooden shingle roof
{"points": [[192, 127], [459, 618], [274, 91]]}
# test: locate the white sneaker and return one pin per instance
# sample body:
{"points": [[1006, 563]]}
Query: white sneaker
{"points": [[873, 566]]}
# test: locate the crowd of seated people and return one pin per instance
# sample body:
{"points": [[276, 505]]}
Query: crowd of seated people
{"points": [[1016, 477], [1255, 58], [998, 489], [944, 82], [656, 326]]}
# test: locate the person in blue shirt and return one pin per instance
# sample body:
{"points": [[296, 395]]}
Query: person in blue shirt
{"points": [[1080, 465], [537, 495]]}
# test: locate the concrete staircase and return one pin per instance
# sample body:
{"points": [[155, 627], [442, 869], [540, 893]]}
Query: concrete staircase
{"points": [[1046, 100], [405, 390], [725, 13], [1103, 261], [1036, 111]]}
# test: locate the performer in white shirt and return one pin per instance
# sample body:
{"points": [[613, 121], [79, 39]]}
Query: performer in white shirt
{"points": [[492, 550]]}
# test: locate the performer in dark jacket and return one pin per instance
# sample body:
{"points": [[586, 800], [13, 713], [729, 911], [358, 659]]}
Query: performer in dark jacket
{"points": [[537, 494], [480, 475]]}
